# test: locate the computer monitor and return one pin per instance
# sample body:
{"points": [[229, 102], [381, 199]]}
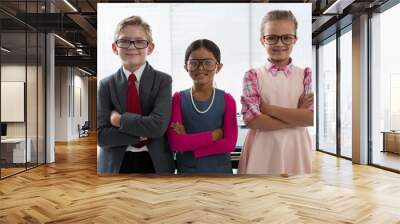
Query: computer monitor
{"points": [[3, 129]]}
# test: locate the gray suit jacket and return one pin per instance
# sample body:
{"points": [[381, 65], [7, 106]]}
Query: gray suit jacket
{"points": [[155, 95]]}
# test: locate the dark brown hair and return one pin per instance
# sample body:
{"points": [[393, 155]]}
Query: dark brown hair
{"points": [[206, 44]]}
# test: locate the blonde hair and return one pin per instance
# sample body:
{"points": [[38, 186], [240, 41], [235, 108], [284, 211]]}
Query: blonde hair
{"points": [[278, 15], [134, 21]]}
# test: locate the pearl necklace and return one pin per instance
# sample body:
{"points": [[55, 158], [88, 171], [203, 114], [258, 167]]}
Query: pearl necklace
{"points": [[194, 105]]}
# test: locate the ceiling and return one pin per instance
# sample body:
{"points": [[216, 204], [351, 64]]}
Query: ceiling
{"points": [[77, 23]]}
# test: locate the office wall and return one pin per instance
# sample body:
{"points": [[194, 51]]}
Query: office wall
{"points": [[71, 102], [61, 103], [92, 98], [13, 98], [17, 73], [80, 102]]}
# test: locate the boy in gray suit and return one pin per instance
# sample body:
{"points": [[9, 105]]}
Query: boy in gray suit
{"points": [[134, 107]]}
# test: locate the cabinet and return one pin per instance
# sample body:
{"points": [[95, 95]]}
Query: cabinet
{"points": [[391, 141]]}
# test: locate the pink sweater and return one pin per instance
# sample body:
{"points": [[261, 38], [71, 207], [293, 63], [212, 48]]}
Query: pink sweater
{"points": [[201, 143]]}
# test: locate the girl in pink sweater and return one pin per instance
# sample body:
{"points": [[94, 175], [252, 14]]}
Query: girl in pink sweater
{"points": [[203, 128]]}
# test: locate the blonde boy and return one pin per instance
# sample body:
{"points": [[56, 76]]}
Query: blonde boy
{"points": [[134, 107]]}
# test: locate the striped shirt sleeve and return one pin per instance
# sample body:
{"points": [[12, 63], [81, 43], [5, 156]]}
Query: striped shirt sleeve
{"points": [[250, 98], [307, 82]]}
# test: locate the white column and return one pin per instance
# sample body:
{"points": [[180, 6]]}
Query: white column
{"points": [[50, 94], [360, 90]]}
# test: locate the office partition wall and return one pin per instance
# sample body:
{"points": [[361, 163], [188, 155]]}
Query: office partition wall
{"points": [[22, 79]]}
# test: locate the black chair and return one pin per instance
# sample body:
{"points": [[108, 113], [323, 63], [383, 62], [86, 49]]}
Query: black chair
{"points": [[84, 130]]}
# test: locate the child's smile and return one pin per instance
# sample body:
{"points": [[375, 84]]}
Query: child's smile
{"points": [[280, 49], [132, 54], [199, 77]]}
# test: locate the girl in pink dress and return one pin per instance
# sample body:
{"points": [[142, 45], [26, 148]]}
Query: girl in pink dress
{"points": [[277, 105]]}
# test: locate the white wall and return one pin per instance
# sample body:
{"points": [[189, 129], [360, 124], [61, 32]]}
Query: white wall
{"points": [[234, 27], [17, 73], [61, 103], [70, 83], [80, 100], [33, 126], [14, 72]]}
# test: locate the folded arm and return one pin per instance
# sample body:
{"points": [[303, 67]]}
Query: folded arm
{"points": [[299, 117], [267, 123], [184, 142], [107, 135], [155, 124], [251, 101], [228, 142]]}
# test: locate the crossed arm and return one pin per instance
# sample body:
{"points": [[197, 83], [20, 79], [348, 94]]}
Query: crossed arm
{"points": [[275, 117], [204, 143], [115, 129], [259, 115], [108, 135]]}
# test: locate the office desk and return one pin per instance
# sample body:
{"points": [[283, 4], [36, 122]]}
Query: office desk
{"points": [[13, 150], [391, 141]]}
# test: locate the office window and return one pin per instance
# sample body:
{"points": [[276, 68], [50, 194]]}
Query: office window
{"points": [[327, 97], [346, 94], [385, 87], [312, 130]]}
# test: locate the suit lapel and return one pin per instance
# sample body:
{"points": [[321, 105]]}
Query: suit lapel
{"points": [[146, 83], [121, 85]]}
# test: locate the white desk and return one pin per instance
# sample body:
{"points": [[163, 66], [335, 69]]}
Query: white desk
{"points": [[18, 149]]}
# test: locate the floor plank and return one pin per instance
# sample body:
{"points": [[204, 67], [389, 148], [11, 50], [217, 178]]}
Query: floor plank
{"points": [[70, 191]]}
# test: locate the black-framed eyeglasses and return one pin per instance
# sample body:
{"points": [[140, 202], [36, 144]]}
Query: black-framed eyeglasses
{"points": [[286, 39], [125, 44], [208, 64]]}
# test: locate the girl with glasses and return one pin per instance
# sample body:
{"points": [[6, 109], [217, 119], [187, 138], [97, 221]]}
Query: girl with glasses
{"points": [[277, 105], [203, 127]]}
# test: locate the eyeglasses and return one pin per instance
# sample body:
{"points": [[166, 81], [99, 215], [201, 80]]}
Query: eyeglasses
{"points": [[286, 39], [125, 44], [208, 64]]}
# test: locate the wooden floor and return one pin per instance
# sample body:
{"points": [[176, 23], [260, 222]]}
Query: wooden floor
{"points": [[70, 191], [387, 159], [5, 172], [10, 171]]}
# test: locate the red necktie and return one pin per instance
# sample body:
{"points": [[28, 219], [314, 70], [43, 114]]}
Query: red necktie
{"points": [[133, 103], [133, 99]]}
